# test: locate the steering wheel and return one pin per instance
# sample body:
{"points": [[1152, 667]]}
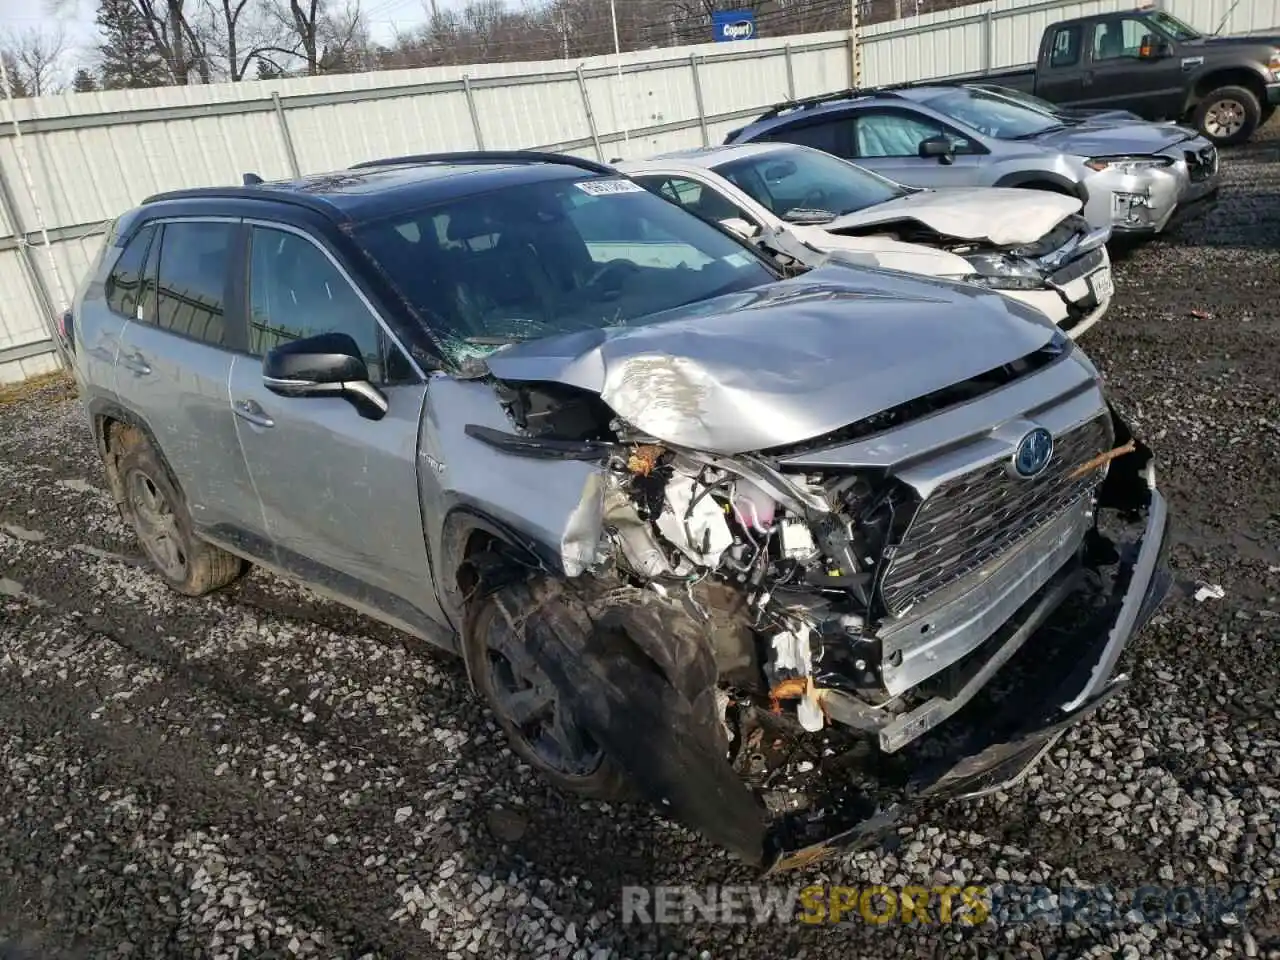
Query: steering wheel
{"points": [[815, 197], [617, 269]]}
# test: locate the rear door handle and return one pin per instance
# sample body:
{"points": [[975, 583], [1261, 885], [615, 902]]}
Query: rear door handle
{"points": [[135, 362], [249, 410]]}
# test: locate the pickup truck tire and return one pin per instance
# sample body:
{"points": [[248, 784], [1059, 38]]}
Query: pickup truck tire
{"points": [[505, 674], [1228, 115], [155, 506]]}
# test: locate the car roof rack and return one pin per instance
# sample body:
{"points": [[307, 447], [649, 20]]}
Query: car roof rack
{"points": [[808, 103], [491, 156], [251, 180], [283, 195]]}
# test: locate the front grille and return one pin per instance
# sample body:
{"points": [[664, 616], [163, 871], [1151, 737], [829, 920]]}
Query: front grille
{"points": [[975, 518], [1078, 268]]}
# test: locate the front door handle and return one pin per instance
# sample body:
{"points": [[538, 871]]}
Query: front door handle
{"points": [[251, 411], [135, 362]]}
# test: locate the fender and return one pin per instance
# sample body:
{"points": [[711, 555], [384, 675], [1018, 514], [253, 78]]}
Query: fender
{"points": [[100, 411], [463, 521], [1236, 72], [1023, 177]]}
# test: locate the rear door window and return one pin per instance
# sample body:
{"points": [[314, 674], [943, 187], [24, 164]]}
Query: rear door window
{"points": [[193, 277], [124, 283], [830, 136]]}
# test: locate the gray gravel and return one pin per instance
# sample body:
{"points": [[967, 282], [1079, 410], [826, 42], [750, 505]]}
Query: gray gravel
{"points": [[263, 773]]}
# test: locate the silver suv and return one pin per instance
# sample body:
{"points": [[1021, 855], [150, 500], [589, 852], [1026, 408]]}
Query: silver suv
{"points": [[1132, 176], [673, 508]]}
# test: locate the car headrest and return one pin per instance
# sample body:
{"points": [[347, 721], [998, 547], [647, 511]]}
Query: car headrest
{"points": [[470, 221]]}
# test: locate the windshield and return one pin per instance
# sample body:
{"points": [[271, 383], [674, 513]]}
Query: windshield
{"points": [[992, 114], [554, 257], [1173, 26], [795, 179], [1028, 100]]}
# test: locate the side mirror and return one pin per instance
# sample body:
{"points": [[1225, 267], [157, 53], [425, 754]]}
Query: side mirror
{"points": [[1153, 49], [940, 147], [326, 365], [739, 226]]}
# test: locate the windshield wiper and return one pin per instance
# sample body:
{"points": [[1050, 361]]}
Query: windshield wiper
{"points": [[1036, 133], [495, 341]]}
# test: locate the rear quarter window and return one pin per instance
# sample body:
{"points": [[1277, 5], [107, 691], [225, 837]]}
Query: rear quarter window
{"points": [[124, 283]]}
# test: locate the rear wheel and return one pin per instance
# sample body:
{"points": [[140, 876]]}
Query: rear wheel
{"points": [[1228, 115], [158, 511]]}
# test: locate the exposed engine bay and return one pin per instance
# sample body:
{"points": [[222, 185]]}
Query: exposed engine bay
{"points": [[762, 632]]}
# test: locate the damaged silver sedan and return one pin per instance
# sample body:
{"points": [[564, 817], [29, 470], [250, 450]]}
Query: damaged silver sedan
{"points": [[784, 554]]}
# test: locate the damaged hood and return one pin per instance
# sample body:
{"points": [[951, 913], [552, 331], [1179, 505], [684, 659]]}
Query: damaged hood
{"points": [[786, 362], [1002, 215], [1111, 138]]}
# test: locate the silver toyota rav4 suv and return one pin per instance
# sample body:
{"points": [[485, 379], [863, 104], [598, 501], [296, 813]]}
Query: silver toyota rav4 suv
{"points": [[759, 547]]}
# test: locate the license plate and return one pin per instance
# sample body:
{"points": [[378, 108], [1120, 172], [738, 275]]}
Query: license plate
{"points": [[1102, 284]]}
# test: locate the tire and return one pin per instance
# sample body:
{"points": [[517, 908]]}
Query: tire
{"points": [[1227, 116], [157, 509], [591, 774]]}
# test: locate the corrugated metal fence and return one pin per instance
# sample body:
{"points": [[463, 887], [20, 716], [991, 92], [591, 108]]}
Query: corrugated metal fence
{"points": [[68, 164]]}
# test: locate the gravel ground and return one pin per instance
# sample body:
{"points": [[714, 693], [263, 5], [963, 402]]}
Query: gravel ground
{"points": [[262, 773]]}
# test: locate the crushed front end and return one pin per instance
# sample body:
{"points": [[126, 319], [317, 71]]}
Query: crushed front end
{"points": [[788, 648], [888, 584], [1065, 273]]}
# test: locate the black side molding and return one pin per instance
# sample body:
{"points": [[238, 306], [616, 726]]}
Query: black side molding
{"points": [[539, 448]]}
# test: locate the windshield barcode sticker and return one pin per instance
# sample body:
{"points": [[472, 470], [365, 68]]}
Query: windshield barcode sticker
{"points": [[605, 188]]}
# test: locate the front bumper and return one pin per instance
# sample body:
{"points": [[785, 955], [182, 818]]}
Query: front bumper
{"points": [[1144, 203], [1015, 745], [1079, 293]]}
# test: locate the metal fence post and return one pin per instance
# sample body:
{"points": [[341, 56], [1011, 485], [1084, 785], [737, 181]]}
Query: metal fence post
{"points": [[697, 95], [855, 51], [791, 73], [988, 41], [591, 114], [471, 106], [285, 136], [10, 210]]}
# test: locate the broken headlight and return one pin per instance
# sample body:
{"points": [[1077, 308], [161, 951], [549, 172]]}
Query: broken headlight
{"points": [[1128, 165], [1002, 272]]}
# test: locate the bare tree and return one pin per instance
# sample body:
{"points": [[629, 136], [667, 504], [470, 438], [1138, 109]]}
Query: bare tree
{"points": [[240, 34], [34, 58]]}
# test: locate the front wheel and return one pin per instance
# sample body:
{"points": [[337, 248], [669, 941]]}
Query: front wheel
{"points": [[536, 716], [1228, 115]]}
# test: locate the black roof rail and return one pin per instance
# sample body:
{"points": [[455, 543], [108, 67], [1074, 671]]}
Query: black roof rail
{"points": [[491, 156], [310, 201], [807, 103], [251, 180]]}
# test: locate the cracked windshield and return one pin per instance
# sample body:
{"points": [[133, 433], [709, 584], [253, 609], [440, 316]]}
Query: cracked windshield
{"points": [[555, 257]]}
